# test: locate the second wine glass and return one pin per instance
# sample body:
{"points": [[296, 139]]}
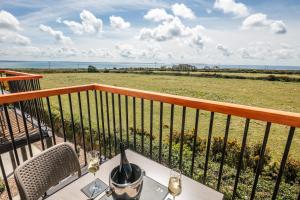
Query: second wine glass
{"points": [[175, 183], [93, 167]]}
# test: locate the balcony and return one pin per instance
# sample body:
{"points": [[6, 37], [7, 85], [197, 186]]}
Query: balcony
{"points": [[172, 130]]}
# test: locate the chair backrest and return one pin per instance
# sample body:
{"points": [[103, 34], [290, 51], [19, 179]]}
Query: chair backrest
{"points": [[38, 174]]}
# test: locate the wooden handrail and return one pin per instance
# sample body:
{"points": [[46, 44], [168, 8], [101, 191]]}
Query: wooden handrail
{"points": [[257, 113], [23, 96], [262, 114], [18, 76]]}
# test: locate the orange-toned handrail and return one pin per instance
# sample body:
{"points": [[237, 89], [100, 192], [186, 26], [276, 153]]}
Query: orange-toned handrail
{"points": [[18, 76], [262, 114], [23, 96]]}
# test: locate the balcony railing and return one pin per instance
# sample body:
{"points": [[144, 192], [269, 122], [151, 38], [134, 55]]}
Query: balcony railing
{"points": [[98, 116]]}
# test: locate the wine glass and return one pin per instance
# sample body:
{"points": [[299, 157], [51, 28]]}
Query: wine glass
{"points": [[93, 167], [175, 183]]}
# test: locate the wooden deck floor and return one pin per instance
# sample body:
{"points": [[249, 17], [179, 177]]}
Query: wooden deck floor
{"points": [[17, 126]]}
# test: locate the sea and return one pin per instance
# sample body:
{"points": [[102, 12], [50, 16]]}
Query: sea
{"points": [[111, 65]]}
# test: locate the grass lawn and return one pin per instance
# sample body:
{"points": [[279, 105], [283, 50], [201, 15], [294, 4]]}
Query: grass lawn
{"points": [[235, 74], [268, 94]]}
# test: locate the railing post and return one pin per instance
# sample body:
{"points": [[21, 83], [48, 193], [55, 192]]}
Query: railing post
{"points": [[241, 158], [283, 162], [5, 179], [11, 133]]}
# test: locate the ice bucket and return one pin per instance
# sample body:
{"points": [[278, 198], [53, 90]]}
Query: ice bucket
{"points": [[127, 191]]}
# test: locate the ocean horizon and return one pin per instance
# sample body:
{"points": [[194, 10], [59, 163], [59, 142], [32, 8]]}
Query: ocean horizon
{"points": [[109, 65]]}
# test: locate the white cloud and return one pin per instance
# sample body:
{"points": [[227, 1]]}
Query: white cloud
{"points": [[58, 20], [14, 38], [149, 52], [158, 14], [283, 53], [22, 40], [58, 35], [265, 50], [59, 52], [9, 28], [175, 29], [89, 24], [255, 20], [278, 27], [127, 51], [118, 22], [224, 50], [181, 10], [97, 53], [209, 11], [230, 6], [8, 21], [256, 50], [260, 20], [165, 31]]}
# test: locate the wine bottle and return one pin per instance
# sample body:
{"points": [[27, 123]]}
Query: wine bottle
{"points": [[125, 170]]}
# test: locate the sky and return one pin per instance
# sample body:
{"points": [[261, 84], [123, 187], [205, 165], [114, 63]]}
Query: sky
{"points": [[241, 32]]}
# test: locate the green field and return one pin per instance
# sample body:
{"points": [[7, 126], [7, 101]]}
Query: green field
{"points": [[235, 74], [268, 94]]}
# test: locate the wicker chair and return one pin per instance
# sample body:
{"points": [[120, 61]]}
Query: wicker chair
{"points": [[38, 174]]}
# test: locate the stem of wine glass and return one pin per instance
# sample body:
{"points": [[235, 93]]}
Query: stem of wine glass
{"points": [[95, 184]]}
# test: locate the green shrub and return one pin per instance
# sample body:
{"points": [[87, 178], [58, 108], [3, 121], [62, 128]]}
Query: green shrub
{"points": [[2, 186], [288, 189], [254, 157], [92, 69], [292, 171]]}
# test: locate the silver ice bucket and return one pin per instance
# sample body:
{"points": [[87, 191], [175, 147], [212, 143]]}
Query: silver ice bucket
{"points": [[127, 191]]}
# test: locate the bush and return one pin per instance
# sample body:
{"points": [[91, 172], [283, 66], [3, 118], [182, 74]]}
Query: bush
{"points": [[292, 171], [254, 157], [288, 188], [2, 186], [92, 69]]}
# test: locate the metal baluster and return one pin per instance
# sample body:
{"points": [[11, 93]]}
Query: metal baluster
{"points": [[160, 130], [62, 118], [114, 121], [142, 124], [51, 120], [39, 124], [5, 179], [120, 117], [241, 158], [211, 123], [108, 124], [261, 159], [82, 127], [16, 116], [127, 121], [134, 123], [98, 125], [102, 120], [181, 136], [89, 118], [171, 134], [31, 104], [151, 126], [11, 134], [283, 161], [26, 129], [72, 121], [195, 142], [223, 151]]}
